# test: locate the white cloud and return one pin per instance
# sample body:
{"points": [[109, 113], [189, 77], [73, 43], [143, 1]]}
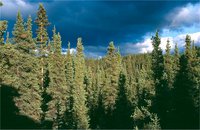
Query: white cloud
{"points": [[10, 8], [146, 45], [72, 51], [187, 15]]}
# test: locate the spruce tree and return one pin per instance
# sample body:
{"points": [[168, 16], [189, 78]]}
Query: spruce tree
{"points": [[161, 91], [96, 111], [145, 95], [41, 40], [89, 87], [20, 71], [3, 28], [22, 36], [110, 88], [122, 113], [42, 23], [112, 75], [80, 111], [19, 31], [93, 86], [176, 59], [68, 117], [57, 88], [186, 93], [168, 66], [29, 38], [157, 59]]}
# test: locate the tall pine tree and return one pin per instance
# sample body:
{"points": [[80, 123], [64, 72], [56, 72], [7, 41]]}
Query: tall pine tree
{"points": [[161, 91], [57, 88], [68, 117], [42, 23], [19, 30], [110, 91], [80, 111], [186, 93]]}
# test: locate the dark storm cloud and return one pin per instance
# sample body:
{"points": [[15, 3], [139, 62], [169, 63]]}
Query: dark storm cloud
{"points": [[99, 22]]}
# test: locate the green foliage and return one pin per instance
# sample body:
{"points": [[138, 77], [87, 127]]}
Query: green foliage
{"points": [[154, 124], [168, 67], [145, 94], [57, 88], [68, 117], [3, 28], [110, 89], [176, 61], [142, 91], [42, 23], [29, 38], [186, 92], [161, 79], [19, 31], [80, 110], [157, 58], [20, 71]]}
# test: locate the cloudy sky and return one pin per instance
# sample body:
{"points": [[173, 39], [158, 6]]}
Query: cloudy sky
{"points": [[130, 24]]}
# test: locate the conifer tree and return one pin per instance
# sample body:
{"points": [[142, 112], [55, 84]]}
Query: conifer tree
{"points": [[89, 86], [93, 86], [22, 36], [145, 95], [154, 123], [30, 100], [185, 93], [29, 38], [80, 110], [3, 28], [122, 113], [176, 59], [161, 91], [96, 111], [168, 66], [19, 30], [112, 74], [157, 59], [69, 68], [68, 117], [41, 40], [20, 71], [42, 23], [57, 88]]}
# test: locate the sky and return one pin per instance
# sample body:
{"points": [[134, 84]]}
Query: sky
{"points": [[130, 23]]}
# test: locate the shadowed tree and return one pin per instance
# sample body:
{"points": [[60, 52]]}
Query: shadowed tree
{"points": [[122, 113], [186, 92], [161, 90], [20, 71], [10, 117]]}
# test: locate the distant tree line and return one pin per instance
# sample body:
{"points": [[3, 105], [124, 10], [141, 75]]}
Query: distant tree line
{"points": [[41, 88]]}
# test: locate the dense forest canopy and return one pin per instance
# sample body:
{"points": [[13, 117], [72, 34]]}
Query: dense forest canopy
{"points": [[42, 88]]}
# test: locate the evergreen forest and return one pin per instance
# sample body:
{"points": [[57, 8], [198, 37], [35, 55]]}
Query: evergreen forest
{"points": [[41, 88]]}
